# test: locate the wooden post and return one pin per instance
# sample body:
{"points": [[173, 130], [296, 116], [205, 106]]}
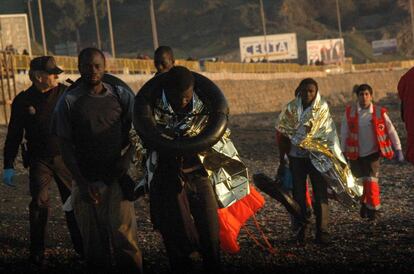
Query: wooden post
{"points": [[6, 68], [262, 13], [13, 74], [111, 34], [153, 25], [98, 31], [42, 27], [3, 92]]}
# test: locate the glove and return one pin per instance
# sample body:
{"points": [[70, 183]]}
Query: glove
{"points": [[8, 175], [400, 156], [88, 194]]}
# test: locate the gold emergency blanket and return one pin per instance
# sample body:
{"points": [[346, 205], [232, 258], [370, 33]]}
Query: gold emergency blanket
{"points": [[227, 172], [314, 130]]}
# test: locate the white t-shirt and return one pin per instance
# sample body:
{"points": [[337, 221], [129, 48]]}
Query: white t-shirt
{"points": [[366, 135]]}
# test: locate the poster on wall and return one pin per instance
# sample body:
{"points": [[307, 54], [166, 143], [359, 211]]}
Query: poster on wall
{"points": [[276, 47], [325, 52], [14, 33]]}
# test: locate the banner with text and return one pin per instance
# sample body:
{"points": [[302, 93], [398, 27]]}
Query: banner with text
{"points": [[380, 47], [277, 47]]}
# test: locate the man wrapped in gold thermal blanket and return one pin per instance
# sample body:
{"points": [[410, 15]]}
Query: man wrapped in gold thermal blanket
{"points": [[309, 138]]}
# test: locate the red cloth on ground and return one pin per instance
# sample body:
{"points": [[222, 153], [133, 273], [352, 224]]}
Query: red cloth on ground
{"points": [[232, 218], [406, 93]]}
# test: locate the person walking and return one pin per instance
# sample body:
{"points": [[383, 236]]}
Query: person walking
{"points": [[93, 120], [181, 189], [301, 167], [406, 94], [308, 136], [367, 134], [30, 119]]}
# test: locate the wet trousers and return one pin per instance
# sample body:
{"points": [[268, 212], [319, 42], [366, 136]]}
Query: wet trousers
{"points": [[41, 174], [109, 231], [188, 221], [301, 168]]}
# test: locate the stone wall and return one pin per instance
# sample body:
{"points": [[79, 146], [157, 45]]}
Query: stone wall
{"points": [[246, 95]]}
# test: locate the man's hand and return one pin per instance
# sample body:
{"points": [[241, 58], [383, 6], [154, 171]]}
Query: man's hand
{"points": [[89, 192], [400, 156], [94, 193], [8, 177], [84, 192]]}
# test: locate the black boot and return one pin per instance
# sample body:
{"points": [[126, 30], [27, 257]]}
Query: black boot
{"points": [[322, 238], [372, 215], [38, 220], [301, 235], [75, 234], [37, 259], [363, 212]]}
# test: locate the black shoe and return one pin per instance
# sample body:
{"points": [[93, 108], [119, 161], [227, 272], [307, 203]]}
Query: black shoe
{"points": [[80, 259], [372, 215], [363, 212], [322, 238], [301, 235], [37, 259], [309, 211]]}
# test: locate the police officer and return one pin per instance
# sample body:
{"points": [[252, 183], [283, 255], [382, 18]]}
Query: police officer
{"points": [[30, 118]]}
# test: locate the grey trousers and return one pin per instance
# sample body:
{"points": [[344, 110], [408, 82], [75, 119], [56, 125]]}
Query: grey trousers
{"points": [[110, 225]]}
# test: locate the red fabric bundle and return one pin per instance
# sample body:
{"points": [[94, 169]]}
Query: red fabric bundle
{"points": [[232, 218]]}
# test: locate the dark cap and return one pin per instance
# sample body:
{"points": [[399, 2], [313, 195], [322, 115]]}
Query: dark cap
{"points": [[45, 63]]}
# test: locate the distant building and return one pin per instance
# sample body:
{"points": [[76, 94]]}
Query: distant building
{"points": [[14, 33]]}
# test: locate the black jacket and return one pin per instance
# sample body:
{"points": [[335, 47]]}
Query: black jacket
{"points": [[30, 118]]}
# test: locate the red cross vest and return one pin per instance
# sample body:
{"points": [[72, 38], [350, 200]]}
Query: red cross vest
{"points": [[379, 128]]}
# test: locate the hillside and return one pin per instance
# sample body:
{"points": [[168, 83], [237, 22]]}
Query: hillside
{"points": [[203, 28]]}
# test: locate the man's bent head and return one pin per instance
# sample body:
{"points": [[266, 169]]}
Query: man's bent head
{"points": [[178, 86]]}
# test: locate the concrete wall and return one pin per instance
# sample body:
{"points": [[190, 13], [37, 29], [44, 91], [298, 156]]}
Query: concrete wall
{"points": [[260, 93], [247, 96]]}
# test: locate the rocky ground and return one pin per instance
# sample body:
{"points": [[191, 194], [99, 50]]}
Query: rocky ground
{"points": [[357, 246]]}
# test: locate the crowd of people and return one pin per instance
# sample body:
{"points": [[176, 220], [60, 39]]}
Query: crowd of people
{"points": [[79, 135]]}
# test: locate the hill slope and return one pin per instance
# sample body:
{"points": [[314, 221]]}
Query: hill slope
{"points": [[201, 28]]}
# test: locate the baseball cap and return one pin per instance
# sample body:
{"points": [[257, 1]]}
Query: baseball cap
{"points": [[45, 63]]}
